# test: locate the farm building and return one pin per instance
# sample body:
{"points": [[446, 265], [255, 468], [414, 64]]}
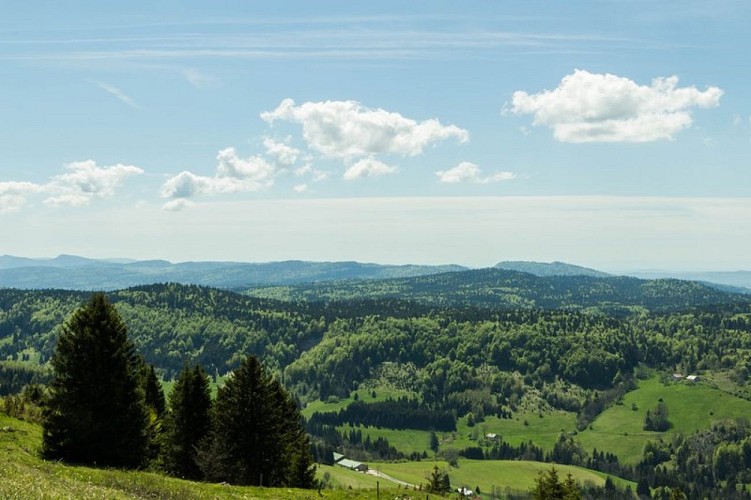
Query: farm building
{"points": [[352, 465], [693, 378]]}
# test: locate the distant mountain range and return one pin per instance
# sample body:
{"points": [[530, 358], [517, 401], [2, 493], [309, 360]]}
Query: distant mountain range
{"points": [[80, 273]]}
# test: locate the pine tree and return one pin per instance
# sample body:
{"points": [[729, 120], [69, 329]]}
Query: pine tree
{"points": [[549, 487], [256, 432], [187, 423], [95, 412], [153, 393]]}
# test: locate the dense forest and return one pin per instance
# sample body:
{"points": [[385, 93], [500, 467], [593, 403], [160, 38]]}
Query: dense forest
{"points": [[507, 289], [460, 348]]}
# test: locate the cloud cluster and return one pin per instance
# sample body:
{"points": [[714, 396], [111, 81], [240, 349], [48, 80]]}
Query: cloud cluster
{"points": [[13, 195], [281, 152], [368, 167], [346, 129], [469, 172], [233, 175], [589, 107], [82, 182]]}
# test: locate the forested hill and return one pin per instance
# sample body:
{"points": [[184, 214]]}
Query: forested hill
{"points": [[505, 289], [79, 273], [550, 269], [170, 324]]}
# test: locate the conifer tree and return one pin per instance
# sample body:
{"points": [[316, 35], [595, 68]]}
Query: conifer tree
{"points": [[152, 389], [257, 436], [187, 423], [95, 413]]}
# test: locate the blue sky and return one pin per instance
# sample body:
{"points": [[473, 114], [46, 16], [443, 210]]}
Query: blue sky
{"points": [[610, 133]]}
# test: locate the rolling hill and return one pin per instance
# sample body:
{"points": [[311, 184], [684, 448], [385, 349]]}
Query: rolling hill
{"points": [[505, 289], [79, 273]]}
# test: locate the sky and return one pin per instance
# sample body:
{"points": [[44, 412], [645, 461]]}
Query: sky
{"points": [[608, 133]]}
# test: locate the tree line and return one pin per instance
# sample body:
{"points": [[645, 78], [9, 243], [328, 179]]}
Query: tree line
{"points": [[105, 407]]}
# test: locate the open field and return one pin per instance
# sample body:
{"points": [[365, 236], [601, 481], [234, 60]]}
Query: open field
{"points": [[365, 395], [25, 475], [691, 407], [489, 474]]}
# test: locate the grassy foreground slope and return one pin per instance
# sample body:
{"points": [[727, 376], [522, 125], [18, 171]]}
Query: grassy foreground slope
{"points": [[24, 475], [691, 407]]}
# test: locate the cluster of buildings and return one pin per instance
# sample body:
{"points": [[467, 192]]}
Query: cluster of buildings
{"points": [[689, 378]]}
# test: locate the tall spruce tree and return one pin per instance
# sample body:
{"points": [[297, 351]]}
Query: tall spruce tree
{"points": [[188, 422], [257, 436], [96, 413]]}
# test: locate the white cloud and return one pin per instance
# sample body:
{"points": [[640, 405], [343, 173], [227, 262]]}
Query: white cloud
{"points": [[368, 167], [281, 152], [82, 182], [13, 195], [469, 172], [300, 188], [119, 94], [348, 129], [316, 175], [85, 181], [177, 205], [588, 107], [233, 175]]}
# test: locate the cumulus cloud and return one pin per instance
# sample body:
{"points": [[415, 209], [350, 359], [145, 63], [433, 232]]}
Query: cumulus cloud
{"points": [[13, 195], [281, 152], [300, 188], [348, 129], [589, 107], [85, 181], [368, 167], [469, 172], [315, 174], [82, 182], [233, 175], [177, 205]]}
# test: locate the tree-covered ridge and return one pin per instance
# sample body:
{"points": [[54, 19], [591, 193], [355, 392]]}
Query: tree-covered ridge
{"points": [[449, 356], [170, 324], [78, 273], [505, 289], [550, 268]]}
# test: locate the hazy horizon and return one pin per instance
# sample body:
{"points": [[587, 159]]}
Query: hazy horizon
{"points": [[613, 135]]}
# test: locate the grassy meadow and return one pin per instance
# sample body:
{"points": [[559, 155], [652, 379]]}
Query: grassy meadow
{"points": [[23, 475], [491, 474], [691, 407]]}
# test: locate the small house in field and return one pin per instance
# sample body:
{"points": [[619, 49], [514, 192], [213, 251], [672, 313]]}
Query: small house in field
{"points": [[491, 436], [692, 378], [352, 465], [677, 376]]}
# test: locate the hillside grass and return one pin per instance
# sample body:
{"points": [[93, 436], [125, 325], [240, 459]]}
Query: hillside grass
{"points": [[543, 432], [23, 474], [691, 407], [542, 428], [364, 395], [489, 474]]}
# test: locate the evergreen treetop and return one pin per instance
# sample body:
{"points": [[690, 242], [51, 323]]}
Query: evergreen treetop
{"points": [[96, 413]]}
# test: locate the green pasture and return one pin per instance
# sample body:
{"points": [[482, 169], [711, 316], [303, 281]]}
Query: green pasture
{"points": [[489, 474], [23, 474], [365, 395], [691, 407]]}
